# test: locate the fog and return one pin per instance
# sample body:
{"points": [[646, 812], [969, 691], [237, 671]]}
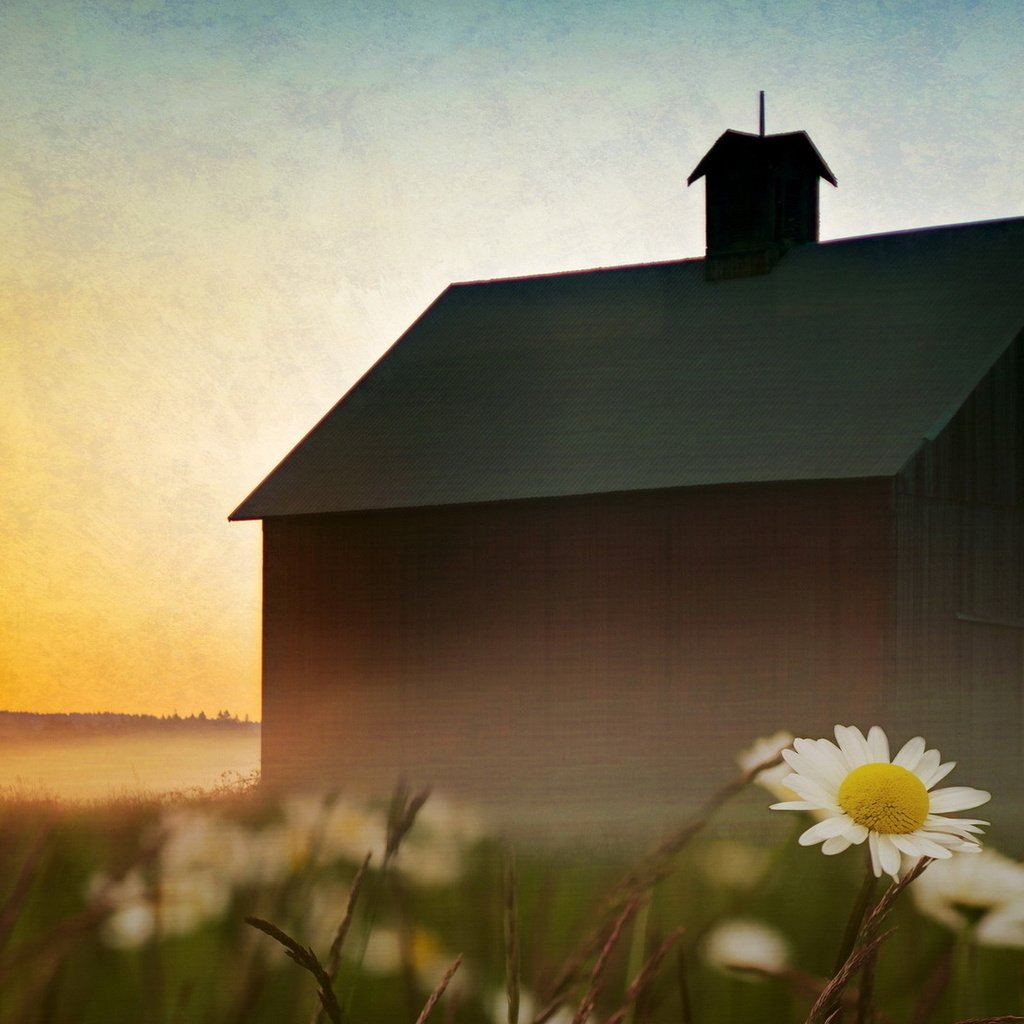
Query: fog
{"points": [[104, 767]]}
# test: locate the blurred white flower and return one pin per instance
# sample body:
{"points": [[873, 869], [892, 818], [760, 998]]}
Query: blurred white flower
{"points": [[185, 899], [767, 748], [433, 851], [331, 829], [352, 830], [527, 1009], [129, 926], [436, 863], [272, 854], [452, 819], [383, 954], [744, 942], [131, 921], [1003, 926], [202, 841], [327, 906], [986, 890], [204, 856], [172, 903], [734, 864]]}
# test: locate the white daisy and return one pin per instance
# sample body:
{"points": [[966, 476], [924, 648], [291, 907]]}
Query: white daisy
{"points": [[986, 891], [888, 802], [740, 943], [1003, 927]]}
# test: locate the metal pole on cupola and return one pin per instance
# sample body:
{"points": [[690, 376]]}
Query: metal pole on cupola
{"points": [[761, 121]]}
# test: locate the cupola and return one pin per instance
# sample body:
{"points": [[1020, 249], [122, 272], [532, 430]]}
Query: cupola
{"points": [[761, 197]]}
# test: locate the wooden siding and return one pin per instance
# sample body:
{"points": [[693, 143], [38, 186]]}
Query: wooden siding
{"points": [[576, 662], [959, 646], [960, 643], [978, 456]]}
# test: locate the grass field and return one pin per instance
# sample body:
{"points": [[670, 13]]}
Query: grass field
{"points": [[166, 911]]}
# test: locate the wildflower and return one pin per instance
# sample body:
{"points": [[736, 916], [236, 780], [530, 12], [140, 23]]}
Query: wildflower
{"points": [[1003, 927], [986, 891], [326, 829], [131, 920], [433, 853], [273, 853], [383, 954], [327, 904], [733, 864], [742, 944], [527, 1009], [196, 840], [451, 819], [890, 803], [140, 910], [763, 749]]}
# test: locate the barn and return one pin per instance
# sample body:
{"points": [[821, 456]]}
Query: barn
{"points": [[577, 538]]}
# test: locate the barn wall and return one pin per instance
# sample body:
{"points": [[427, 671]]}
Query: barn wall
{"points": [[960, 593], [572, 659], [978, 457]]}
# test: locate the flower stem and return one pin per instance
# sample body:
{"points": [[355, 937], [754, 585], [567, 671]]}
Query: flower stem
{"points": [[963, 970], [853, 925]]}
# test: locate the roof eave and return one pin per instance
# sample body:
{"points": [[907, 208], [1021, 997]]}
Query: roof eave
{"points": [[822, 168]]}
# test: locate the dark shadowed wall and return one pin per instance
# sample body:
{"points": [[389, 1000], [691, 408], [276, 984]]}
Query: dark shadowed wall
{"points": [[577, 661], [960, 591]]}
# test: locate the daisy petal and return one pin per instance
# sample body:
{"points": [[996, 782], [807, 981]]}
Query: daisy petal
{"points": [[937, 821], [957, 798], [946, 838], [802, 765], [853, 745], [938, 774], [836, 844], [926, 766], [856, 833], [829, 750], [873, 847], [826, 829], [950, 835], [968, 847], [888, 855], [811, 790], [794, 805], [825, 766], [878, 743], [917, 845], [910, 753], [786, 755]]}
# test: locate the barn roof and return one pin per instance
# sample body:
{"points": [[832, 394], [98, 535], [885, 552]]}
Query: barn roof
{"points": [[736, 150], [837, 364]]}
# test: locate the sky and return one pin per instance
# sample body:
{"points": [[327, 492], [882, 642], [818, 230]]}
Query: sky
{"points": [[217, 215]]}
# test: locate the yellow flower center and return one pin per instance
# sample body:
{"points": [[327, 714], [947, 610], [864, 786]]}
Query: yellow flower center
{"points": [[885, 798]]}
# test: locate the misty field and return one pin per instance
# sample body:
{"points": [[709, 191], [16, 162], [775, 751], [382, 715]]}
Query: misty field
{"points": [[100, 767], [182, 911]]}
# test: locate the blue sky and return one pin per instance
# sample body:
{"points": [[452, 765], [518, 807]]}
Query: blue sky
{"points": [[217, 215]]}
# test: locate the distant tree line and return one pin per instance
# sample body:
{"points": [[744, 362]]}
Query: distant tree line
{"points": [[33, 725]]}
